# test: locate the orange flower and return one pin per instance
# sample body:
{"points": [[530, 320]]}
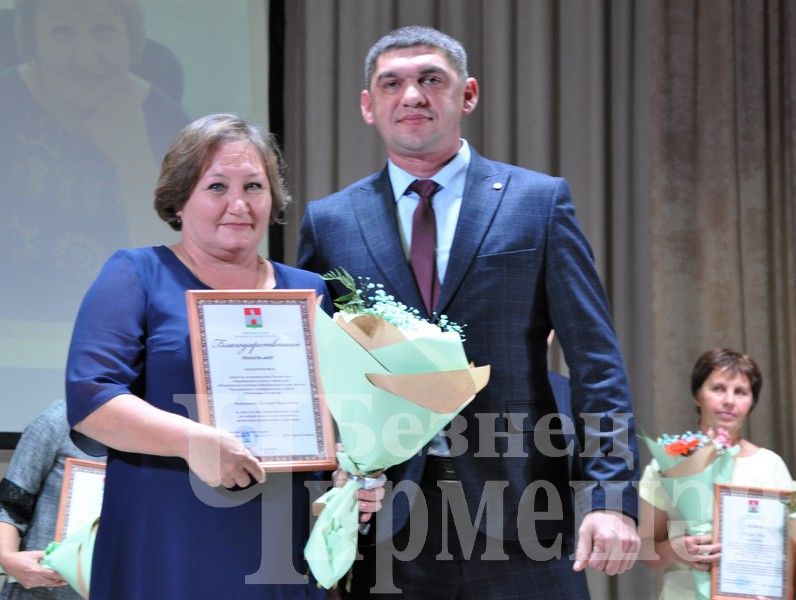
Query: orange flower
{"points": [[681, 447]]}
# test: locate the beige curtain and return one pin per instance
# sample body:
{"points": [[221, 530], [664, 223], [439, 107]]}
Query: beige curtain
{"points": [[724, 208], [673, 122], [723, 203]]}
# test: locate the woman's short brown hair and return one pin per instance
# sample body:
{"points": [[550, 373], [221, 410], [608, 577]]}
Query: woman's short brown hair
{"points": [[192, 151], [721, 359]]}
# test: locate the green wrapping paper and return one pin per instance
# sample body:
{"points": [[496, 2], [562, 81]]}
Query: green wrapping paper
{"points": [[332, 546], [71, 558], [690, 476], [389, 395]]}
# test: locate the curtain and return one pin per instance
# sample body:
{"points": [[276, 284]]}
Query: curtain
{"points": [[724, 209]]}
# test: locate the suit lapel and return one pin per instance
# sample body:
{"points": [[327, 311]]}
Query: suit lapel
{"points": [[374, 207], [483, 190]]}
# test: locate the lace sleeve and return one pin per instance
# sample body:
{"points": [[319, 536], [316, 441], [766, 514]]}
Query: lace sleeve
{"points": [[16, 505]]}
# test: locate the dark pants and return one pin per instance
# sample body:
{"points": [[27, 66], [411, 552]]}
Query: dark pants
{"points": [[451, 565]]}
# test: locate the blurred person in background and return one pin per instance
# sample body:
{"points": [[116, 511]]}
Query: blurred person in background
{"points": [[725, 386], [29, 497]]}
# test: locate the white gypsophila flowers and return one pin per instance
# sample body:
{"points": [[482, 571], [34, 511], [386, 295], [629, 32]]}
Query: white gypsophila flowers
{"points": [[367, 298]]}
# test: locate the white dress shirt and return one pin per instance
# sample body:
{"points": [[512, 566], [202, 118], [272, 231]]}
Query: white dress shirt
{"points": [[446, 203]]}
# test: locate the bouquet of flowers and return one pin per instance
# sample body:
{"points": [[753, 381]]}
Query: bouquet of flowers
{"points": [[690, 464], [71, 558], [392, 381]]}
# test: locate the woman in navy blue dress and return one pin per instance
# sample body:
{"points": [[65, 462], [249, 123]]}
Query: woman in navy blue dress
{"points": [[170, 525]]}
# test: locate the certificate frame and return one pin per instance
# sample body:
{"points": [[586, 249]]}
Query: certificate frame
{"points": [[722, 493], [319, 452], [70, 507]]}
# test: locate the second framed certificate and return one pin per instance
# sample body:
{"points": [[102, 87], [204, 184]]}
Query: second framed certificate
{"points": [[257, 377], [752, 526], [81, 495]]}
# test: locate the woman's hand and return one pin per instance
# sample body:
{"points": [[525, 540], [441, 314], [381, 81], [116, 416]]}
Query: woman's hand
{"points": [[219, 458], [119, 130], [696, 551], [26, 569], [117, 126]]}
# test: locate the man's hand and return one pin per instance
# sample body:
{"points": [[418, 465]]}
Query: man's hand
{"points": [[607, 541], [369, 500]]}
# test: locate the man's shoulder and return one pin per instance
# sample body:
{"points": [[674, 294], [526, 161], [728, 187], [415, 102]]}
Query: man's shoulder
{"points": [[342, 199], [485, 167], [366, 184]]}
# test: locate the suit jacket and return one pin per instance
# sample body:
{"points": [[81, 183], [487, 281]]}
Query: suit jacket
{"points": [[519, 266]]}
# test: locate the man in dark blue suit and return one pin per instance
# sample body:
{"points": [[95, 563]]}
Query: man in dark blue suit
{"points": [[486, 510]]}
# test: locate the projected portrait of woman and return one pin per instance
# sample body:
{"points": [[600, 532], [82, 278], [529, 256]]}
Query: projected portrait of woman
{"points": [[81, 139]]}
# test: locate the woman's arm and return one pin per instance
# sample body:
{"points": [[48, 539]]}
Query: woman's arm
{"points": [[129, 424], [103, 367], [655, 547], [659, 552]]}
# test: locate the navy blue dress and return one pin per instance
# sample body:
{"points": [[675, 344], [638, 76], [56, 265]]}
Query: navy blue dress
{"points": [[163, 533]]}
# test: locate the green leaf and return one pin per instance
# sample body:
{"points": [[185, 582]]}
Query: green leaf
{"points": [[352, 301]]}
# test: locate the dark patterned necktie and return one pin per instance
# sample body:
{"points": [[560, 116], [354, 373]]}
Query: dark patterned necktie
{"points": [[422, 255]]}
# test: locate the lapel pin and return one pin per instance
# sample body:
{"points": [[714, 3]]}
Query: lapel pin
{"points": [[497, 186]]}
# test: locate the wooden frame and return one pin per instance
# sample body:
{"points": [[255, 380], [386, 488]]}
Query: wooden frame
{"points": [[257, 376], [78, 509], [754, 499]]}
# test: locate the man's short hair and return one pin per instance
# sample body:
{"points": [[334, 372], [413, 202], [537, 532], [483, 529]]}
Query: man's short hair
{"points": [[413, 36]]}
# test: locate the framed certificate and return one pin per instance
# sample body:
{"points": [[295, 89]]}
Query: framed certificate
{"points": [[791, 575], [752, 526], [257, 376], [81, 495]]}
